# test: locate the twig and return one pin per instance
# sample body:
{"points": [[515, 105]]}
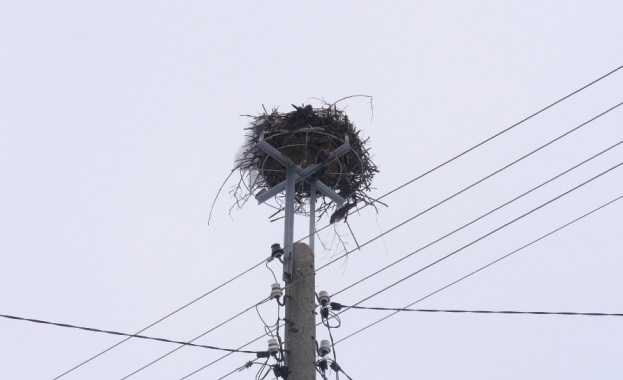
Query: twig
{"points": [[351, 232], [219, 191]]}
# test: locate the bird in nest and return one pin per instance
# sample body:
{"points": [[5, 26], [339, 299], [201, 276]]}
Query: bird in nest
{"points": [[302, 117], [341, 213]]}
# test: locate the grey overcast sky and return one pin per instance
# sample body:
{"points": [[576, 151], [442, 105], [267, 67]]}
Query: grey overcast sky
{"points": [[120, 119]]}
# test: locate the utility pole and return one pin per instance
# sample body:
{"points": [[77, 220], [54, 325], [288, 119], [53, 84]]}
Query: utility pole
{"points": [[298, 260], [280, 154], [300, 305]]}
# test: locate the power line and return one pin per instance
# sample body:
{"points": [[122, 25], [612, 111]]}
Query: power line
{"points": [[194, 339], [128, 335], [490, 233], [502, 132], [529, 191], [485, 141], [477, 219], [482, 143], [226, 355], [460, 155], [475, 183], [438, 167], [161, 319], [506, 312], [486, 266], [247, 365], [222, 357], [212, 329], [340, 306], [534, 151], [205, 333], [451, 284]]}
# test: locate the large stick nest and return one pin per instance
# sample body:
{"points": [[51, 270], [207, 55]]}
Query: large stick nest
{"points": [[307, 136]]}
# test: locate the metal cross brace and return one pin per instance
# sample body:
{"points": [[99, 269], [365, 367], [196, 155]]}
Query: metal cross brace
{"points": [[295, 174]]}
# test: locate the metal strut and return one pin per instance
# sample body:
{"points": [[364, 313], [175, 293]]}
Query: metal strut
{"points": [[294, 175]]}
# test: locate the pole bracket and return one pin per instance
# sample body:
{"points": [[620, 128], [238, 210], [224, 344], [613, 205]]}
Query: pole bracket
{"points": [[294, 175]]}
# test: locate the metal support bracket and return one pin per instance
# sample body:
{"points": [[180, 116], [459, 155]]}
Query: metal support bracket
{"points": [[294, 175]]}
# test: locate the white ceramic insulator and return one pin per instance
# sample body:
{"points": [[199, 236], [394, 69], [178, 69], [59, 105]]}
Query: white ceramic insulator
{"points": [[273, 346], [325, 348], [324, 298], [276, 291]]}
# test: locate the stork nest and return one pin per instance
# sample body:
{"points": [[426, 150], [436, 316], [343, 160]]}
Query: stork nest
{"points": [[307, 136]]}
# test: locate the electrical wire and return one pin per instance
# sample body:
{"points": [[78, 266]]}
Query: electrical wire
{"points": [[473, 184], [271, 271], [247, 365], [267, 330], [387, 194], [324, 377], [485, 311], [483, 142], [325, 363], [443, 258], [487, 234], [529, 191], [161, 319], [486, 266], [282, 356], [240, 347], [91, 329], [222, 357], [194, 339], [465, 152], [259, 373], [478, 218], [325, 312], [502, 132], [226, 355]]}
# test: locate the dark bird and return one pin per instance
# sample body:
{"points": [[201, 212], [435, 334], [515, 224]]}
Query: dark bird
{"points": [[341, 213], [302, 117]]}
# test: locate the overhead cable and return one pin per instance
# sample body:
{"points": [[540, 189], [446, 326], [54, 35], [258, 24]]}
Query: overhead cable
{"points": [[194, 339], [339, 306], [222, 357], [469, 150], [477, 219], [486, 266], [583, 162], [489, 233], [485, 141], [474, 184], [91, 329], [161, 319], [482, 216]]}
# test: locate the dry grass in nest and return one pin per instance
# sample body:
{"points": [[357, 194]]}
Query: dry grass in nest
{"points": [[307, 136]]}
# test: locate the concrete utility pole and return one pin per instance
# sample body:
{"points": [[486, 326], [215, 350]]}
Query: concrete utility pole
{"points": [[300, 327]]}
